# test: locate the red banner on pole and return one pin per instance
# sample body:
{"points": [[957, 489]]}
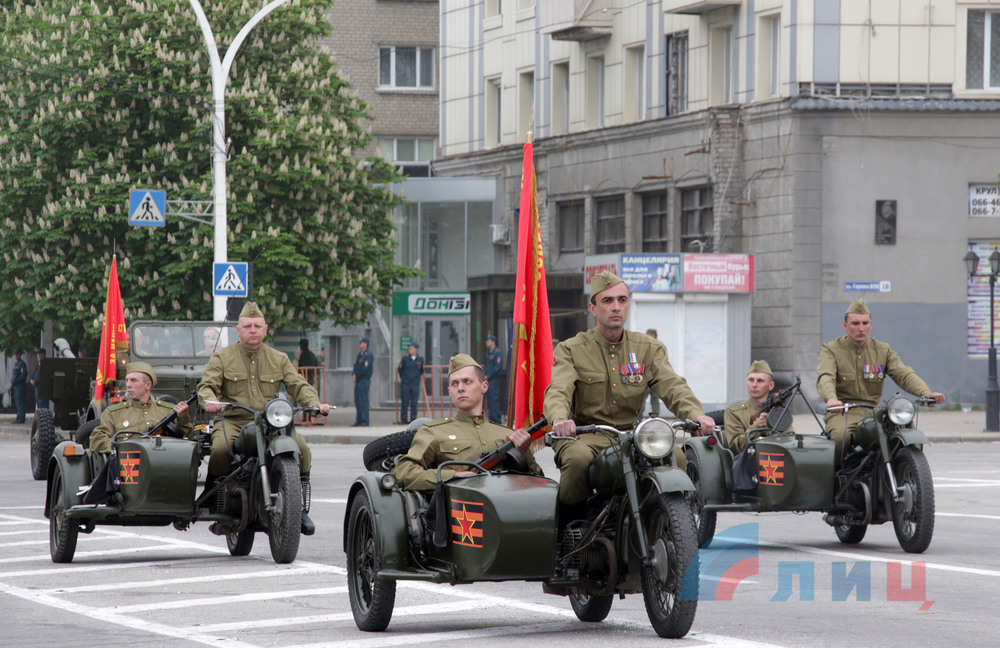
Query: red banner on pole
{"points": [[114, 336]]}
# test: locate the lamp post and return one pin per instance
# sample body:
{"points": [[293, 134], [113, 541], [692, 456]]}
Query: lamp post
{"points": [[992, 388], [220, 76]]}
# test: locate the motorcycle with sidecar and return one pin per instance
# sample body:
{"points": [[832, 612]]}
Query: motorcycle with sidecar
{"points": [[638, 535], [882, 476], [149, 479]]}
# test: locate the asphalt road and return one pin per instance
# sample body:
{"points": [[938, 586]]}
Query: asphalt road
{"points": [[159, 587]]}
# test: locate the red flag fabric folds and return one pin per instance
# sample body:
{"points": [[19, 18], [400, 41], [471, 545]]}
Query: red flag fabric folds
{"points": [[114, 336]]}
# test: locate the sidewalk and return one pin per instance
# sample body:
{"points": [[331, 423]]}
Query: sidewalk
{"points": [[939, 426]]}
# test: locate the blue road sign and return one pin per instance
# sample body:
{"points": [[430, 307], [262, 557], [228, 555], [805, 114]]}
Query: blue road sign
{"points": [[867, 286], [229, 279], [147, 208]]}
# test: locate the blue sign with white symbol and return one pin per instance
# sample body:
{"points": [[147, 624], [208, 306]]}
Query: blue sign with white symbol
{"points": [[229, 279], [147, 208]]}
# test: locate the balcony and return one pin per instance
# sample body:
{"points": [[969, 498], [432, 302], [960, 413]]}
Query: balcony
{"points": [[577, 20], [695, 7]]}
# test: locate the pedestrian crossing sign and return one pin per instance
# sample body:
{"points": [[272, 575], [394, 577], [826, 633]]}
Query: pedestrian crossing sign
{"points": [[147, 208], [229, 279]]}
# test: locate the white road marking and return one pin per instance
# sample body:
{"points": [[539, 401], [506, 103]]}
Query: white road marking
{"points": [[225, 600], [967, 515]]}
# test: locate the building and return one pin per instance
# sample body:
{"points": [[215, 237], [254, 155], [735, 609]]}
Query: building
{"points": [[848, 146]]}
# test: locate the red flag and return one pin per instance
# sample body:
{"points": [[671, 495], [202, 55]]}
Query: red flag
{"points": [[533, 372], [114, 337]]}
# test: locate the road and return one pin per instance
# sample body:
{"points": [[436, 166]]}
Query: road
{"points": [[160, 587]]}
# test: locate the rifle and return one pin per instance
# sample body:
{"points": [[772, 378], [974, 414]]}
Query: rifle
{"points": [[491, 460], [774, 399]]}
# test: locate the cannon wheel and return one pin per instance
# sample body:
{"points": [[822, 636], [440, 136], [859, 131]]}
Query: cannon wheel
{"points": [[670, 534], [381, 450], [913, 516], [284, 528], [704, 521], [83, 432], [372, 599], [240, 543], [43, 442], [63, 532], [591, 608]]}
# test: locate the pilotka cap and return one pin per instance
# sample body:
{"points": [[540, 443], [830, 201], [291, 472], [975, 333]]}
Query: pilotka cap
{"points": [[858, 307], [760, 366], [251, 309], [602, 281], [141, 367], [461, 361]]}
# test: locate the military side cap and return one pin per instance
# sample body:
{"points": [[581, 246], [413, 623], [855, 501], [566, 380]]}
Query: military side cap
{"points": [[760, 366], [650, 331], [858, 307], [251, 309], [142, 367], [461, 361], [602, 281]]}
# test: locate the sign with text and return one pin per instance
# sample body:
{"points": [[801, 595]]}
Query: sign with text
{"points": [[868, 286], [652, 272], [597, 263], [431, 303], [729, 273], [984, 199], [978, 296]]}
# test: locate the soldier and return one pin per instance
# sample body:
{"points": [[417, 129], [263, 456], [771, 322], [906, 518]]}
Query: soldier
{"points": [[139, 413], [493, 368], [362, 377], [411, 372], [249, 372], [464, 437], [747, 415], [18, 380], [853, 368], [601, 376]]}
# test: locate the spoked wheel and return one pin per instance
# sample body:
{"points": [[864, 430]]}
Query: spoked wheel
{"points": [[63, 532], [913, 515], [372, 599], [851, 533], [241, 542], [704, 521], [591, 608], [284, 527], [43, 442], [670, 534]]}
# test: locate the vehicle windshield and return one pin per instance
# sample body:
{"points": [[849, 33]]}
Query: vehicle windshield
{"points": [[182, 340]]}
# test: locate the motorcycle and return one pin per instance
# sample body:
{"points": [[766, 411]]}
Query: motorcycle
{"points": [[883, 476], [149, 479], [638, 535]]}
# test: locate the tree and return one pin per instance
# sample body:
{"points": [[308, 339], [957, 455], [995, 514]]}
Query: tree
{"points": [[101, 97]]}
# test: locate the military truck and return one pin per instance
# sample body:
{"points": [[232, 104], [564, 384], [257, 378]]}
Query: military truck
{"points": [[177, 351]]}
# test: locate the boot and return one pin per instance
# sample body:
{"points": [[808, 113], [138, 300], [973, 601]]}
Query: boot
{"points": [[210, 503], [308, 527]]}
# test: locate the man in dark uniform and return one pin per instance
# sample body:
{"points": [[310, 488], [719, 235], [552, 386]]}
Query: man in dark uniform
{"points": [[493, 368], [853, 368], [40, 403], [139, 413], [362, 377], [463, 437], [601, 376], [746, 416], [249, 372], [18, 381], [411, 372]]}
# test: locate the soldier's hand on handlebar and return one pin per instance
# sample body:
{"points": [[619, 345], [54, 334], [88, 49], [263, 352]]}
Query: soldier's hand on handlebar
{"points": [[564, 428], [213, 407], [938, 398], [325, 408], [833, 402], [707, 424]]}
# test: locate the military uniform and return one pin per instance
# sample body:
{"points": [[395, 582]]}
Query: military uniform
{"points": [[133, 415], [596, 381], [411, 371], [739, 419], [493, 366], [235, 375], [459, 438], [362, 372]]}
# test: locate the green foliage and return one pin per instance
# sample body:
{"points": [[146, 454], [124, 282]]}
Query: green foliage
{"points": [[101, 97]]}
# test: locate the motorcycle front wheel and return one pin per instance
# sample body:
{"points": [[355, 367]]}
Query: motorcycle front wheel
{"points": [[670, 535], [284, 528], [372, 599], [913, 515]]}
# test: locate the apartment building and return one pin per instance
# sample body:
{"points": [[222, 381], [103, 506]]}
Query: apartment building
{"points": [[848, 146]]}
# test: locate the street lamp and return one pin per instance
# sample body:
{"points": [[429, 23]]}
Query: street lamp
{"points": [[992, 388]]}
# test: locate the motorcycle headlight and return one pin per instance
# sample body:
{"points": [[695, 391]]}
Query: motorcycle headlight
{"points": [[278, 413], [654, 438], [900, 411]]}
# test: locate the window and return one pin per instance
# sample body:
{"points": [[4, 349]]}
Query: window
{"points": [[595, 92], [721, 61], [677, 73], [493, 103], [654, 223], [560, 98], [610, 230], [635, 86], [412, 154], [525, 103], [769, 57], [571, 222], [696, 220], [982, 55], [406, 67], [493, 8]]}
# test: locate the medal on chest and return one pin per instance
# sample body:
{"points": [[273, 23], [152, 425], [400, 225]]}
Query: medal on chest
{"points": [[632, 371], [873, 372]]}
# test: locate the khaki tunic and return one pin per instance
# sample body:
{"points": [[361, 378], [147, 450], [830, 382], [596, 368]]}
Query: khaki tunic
{"points": [[598, 382], [739, 418], [133, 415], [234, 375], [459, 438]]}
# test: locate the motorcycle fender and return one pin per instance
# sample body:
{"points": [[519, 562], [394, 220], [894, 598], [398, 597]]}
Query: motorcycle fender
{"points": [[665, 479], [282, 444], [75, 469], [911, 436], [713, 477], [392, 541]]}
